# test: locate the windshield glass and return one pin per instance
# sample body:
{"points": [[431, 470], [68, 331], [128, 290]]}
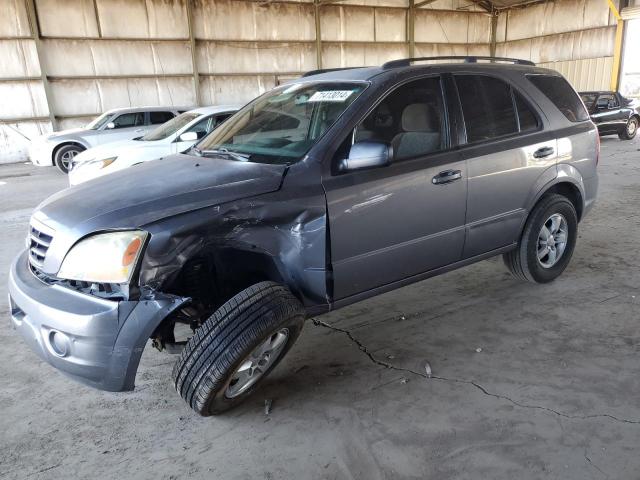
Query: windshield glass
{"points": [[282, 125], [170, 127], [588, 99], [99, 121]]}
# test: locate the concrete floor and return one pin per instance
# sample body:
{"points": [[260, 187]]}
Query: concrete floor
{"points": [[553, 392]]}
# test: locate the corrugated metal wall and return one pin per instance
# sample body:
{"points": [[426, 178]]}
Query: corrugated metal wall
{"points": [[575, 37], [100, 54]]}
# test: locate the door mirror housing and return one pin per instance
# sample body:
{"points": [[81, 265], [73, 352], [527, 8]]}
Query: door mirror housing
{"points": [[188, 137], [111, 126], [367, 154]]}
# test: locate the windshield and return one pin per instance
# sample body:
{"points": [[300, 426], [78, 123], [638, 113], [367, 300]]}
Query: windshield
{"points": [[282, 125], [96, 123], [589, 99], [170, 127]]}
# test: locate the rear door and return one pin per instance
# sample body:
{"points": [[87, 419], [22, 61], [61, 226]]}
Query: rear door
{"points": [[503, 161], [390, 223]]}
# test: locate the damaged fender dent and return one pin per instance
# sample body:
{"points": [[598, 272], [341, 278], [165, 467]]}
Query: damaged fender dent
{"points": [[264, 237]]}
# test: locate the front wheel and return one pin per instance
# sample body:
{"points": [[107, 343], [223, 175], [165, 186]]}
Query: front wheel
{"points": [[237, 347], [547, 242], [64, 156], [629, 132]]}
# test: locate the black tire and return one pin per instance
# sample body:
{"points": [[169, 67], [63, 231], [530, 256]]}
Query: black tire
{"points": [[625, 133], [218, 348], [523, 262], [61, 156]]}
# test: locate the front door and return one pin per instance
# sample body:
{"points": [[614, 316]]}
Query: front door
{"points": [[125, 127], [390, 223]]}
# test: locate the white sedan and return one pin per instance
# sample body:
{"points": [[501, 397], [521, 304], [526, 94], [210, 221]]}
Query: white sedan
{"points": [[175, 136]]}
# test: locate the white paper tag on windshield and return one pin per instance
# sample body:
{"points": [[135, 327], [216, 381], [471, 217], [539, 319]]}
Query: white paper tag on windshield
{"points": [[331, 96]]}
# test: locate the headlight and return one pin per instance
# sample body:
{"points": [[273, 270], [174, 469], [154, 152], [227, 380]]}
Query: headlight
{"points": [[106, 162], [105, 257]]}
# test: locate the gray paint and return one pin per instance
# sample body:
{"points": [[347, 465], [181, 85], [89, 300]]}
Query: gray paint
{"points": [[386, 227]]}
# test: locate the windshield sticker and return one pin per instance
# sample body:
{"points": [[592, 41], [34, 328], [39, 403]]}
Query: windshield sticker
{"points": [[331, 96]]}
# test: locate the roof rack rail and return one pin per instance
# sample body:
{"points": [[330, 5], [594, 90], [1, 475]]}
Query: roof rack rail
{"points": [[327, 70], [405, 62]]}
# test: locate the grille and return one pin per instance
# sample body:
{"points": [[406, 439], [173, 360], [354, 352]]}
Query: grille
{"points": [[38, 245]]}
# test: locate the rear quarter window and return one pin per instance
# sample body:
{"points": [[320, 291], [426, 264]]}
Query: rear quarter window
{"points": [[563, 96]]}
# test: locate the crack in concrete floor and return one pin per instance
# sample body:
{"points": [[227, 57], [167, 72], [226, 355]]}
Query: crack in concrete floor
{"points": [[475, 384]]}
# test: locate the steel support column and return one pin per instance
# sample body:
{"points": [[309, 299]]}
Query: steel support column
{"points": [[411, 28], [617, 51], [494, 32], [34, 25], [194, 54], [316, 13]]}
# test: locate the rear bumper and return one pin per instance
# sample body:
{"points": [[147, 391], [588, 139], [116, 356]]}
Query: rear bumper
{"points": [[95, 341]]}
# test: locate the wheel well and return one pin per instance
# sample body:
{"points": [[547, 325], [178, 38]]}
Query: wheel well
{"points": [[572, 193], [212, 279], [64, 144]]}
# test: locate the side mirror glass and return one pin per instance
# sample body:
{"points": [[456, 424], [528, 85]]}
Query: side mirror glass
{"points": [[367, 154], [111, 126], [188, 137]]}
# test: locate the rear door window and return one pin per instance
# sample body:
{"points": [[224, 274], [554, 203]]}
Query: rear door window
{"points": [[487, 107], [563, 96], [157, 118], [527, 119]]}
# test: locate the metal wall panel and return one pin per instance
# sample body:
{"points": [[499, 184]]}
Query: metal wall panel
{"points": [[348, 55], [434, 26], [253, 57], [67, 18], [103, 94], [586, 74], [18, 58], [443, 49], [13, 19], [23, 99], [234, 89], [114, 57], [143, 18], [238, 20], [14, 139]]}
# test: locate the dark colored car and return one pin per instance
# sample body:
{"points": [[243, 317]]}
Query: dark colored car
{"points": [[323, 192], [612, 113]]}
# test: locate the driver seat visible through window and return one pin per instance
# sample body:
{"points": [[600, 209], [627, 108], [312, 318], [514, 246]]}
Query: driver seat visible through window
{"points": [[419, 135]]}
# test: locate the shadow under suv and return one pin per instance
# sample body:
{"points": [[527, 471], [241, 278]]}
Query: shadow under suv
{"points": [[331, 189]]}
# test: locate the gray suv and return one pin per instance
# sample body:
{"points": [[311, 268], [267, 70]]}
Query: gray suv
{"points": [[336, 187]]}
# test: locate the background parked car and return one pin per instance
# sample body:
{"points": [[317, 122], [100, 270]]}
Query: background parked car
{"points": [[175, 136], [612, 113], [59, 148]]}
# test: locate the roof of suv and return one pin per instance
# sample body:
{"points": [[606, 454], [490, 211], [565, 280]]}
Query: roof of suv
{"points": [[369, 73]]}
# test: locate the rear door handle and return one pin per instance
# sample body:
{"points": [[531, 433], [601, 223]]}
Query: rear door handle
{"points": [[447, 176], [543, 152]]}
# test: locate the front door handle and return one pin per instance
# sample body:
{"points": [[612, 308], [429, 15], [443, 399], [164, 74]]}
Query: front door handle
{"points": [[447, 176], [543, 152]]}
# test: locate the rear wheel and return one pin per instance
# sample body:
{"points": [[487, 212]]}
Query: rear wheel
{"points": [[237, 347], [63, 157], [630, 130], [547, 242]]}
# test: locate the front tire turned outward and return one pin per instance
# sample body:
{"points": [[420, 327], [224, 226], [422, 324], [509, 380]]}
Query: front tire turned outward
{"points": [[630, 129], [547, 242], [237, 347], [64, 156]]}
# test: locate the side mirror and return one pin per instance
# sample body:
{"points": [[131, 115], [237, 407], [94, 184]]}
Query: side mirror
{"points": [[367, 154], [111, 126], [188, 137]]}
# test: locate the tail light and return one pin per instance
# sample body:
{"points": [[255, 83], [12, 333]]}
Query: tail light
{"points": [[597, 147]]}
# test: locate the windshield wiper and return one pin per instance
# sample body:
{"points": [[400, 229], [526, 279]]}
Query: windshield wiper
{"points": [[242, 157]]}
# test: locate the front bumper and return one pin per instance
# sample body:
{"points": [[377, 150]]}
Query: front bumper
{"points": [[95, 341], [41, 154]]}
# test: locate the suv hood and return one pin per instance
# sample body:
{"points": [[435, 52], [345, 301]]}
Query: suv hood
{"points": [[147, 192]]}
